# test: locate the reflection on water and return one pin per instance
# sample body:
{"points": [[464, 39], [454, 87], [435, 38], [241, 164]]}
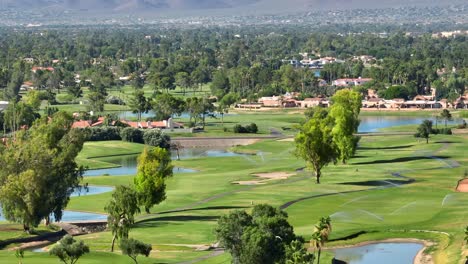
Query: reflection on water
{"points": [[128, 166], [374, 123], [91, 190], [128, 163], [382, 253], [72, 216]]}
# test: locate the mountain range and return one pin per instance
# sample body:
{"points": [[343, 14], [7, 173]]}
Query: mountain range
{"points": [[238, 5]]}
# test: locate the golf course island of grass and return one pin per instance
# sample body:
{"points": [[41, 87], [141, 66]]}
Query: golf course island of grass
{"points": [[396, 188]]}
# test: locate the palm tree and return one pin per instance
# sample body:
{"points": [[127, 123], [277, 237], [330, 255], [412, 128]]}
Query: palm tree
{"points": [[316, 243], [322, 231]]}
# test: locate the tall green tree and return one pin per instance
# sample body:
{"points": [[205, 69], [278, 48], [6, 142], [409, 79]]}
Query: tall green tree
{"points": [[446, 116], [424, 130], [39, 171], [261, 237], [139, 103], [122, 209], [314, 143], [345, 109], [11, 92], [165, 106], [183, 80], [18, 115], [154, 166]]}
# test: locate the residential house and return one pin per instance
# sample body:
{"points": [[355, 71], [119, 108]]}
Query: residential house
{"points": [[313, 102], [374, 102], [273, 101], [35, 69], [3, 105], [28, 60], [345, 82], [26, 86], [165, 124]]}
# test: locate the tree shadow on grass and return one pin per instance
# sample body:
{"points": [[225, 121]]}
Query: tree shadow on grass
{"points": [[447, 142], [376, 183], [402, 159], [359, 156], [158, 221], [203, 208], [387, 148]]}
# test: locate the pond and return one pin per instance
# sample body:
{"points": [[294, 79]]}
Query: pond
{"points": [[128, 163], [91, 190], [382, 253], [374, 123], [72, 216]]}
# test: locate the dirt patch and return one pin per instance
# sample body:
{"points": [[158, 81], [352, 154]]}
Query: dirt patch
{"points": [[286, 140], [266, 177], [462, 185]]}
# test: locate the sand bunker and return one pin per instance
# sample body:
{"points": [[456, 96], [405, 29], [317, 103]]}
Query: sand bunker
{"points": [[463, 186], [286, 140], [266, 177]]}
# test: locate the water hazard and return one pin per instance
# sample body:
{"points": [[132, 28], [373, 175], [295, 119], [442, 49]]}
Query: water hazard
{"points": [[374, 123], [128, 163], [382, 253]]}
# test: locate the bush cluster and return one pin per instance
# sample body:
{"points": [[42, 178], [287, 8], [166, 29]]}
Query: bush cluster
{"points": [[101, 133], [442, 131], [252, 128], [131, 134], [154, 137]]}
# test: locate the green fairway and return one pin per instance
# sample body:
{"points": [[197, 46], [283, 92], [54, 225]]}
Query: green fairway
{"points": [[394, 187]]}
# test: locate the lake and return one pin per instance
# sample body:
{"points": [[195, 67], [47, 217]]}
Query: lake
{"points": [[128, 163], [374, 123], [382, 253]]}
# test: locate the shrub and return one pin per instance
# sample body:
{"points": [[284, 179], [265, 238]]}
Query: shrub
{"points": [[239, 129], [154, 137], [252, 128], [104, 133], [131, 134], [442, 131], [68, 250], [132, 248]]}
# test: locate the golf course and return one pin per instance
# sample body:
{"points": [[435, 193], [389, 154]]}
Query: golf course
{"points": [[395, 188]]}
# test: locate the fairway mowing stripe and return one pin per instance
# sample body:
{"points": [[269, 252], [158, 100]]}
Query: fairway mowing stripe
{"points": [[354, 200], [403, 207]]}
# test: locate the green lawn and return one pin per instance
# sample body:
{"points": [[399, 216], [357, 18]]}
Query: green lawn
{"points": [[356, 195]]}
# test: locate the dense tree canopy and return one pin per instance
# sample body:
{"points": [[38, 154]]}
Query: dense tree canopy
{"points": [[154, 166], [261, 237], [39, 171], [248, 65]]}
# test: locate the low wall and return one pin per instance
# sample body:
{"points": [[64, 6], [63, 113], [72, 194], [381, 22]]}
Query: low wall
{"points": [[217, 141]]}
